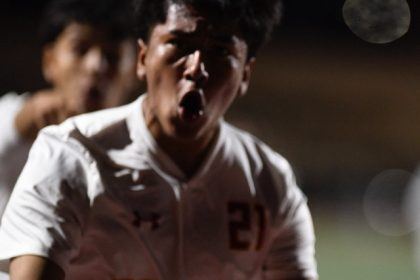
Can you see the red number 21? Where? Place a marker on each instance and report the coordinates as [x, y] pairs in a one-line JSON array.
[[243, 222]]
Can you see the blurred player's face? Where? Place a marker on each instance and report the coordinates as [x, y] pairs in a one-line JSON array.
[[195, 67], [90, 70]]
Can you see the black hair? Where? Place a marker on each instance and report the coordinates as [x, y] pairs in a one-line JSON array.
[[256, 18], [113, 16]]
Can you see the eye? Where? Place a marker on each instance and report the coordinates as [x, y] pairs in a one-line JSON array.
[[177, 43], [80, 48], [112, 57], [181, 46], [221, 50], [111, 53]]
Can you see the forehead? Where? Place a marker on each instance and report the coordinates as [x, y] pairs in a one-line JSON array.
[[76, 31], [185, 19]]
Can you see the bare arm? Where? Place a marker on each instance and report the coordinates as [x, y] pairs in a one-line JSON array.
[[34, 268], [42, 109]]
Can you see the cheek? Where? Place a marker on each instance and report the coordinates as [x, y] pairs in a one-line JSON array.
[[225, 79], [167, 64], [223, 88], [163, 78], [67, 59], [66, 68]]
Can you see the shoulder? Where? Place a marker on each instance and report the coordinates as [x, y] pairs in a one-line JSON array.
[[12, 101], [98, 128], [255, 150], [90, 123], [10, 140], [270, 172], [14, 97]]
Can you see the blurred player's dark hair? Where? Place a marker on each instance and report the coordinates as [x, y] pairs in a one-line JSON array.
[[115, 17], [256, 18]]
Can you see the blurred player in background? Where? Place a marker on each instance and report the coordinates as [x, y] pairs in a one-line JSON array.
[[164, 188], [88, 57]]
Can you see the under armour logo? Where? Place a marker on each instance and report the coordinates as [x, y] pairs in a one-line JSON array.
[[150, 220]]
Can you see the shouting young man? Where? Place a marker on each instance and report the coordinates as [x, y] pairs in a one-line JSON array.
[[164, 188]]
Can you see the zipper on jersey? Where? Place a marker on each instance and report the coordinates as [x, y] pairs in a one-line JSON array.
[[181, 254]]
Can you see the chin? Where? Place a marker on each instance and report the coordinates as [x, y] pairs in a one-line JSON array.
[[93, 106], [186, 136], [191, 134]]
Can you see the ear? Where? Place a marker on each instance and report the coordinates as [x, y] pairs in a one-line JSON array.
[[141, 60], [48, 63], [246, 76]]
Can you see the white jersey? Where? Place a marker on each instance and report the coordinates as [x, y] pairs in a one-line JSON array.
[[102, 200], [13, 148]]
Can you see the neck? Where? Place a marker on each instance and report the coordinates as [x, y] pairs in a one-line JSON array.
[[188, 155]]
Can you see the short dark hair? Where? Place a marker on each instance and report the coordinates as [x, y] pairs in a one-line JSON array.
[[256, 18], [113, 16]]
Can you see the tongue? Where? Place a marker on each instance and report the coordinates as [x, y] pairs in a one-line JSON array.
[[191, 106]]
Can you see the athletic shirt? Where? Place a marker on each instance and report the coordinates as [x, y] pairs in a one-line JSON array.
[[13, 148], [103, 201]]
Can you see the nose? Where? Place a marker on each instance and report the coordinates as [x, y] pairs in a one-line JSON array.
[[196, 70], [96, 62]]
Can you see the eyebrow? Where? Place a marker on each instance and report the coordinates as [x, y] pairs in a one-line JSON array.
[[224, 38], [181, 33]]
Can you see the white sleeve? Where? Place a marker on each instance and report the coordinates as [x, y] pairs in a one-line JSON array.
[[13, 149], [10, 105], [46, 211], [292, 254]]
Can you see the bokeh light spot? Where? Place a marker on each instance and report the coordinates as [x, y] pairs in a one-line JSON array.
[[377, 21], [384, 203]]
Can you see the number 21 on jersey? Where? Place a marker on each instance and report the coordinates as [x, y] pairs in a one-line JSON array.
[[247, 226]]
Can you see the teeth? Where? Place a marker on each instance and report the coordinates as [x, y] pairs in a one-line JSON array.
[[191, 106]]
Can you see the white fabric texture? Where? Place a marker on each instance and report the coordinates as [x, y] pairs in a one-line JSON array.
[[4, 276], [102, 200], [13, 149]]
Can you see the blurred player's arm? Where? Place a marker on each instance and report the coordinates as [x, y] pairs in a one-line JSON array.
[[42, 109], [34, 268]]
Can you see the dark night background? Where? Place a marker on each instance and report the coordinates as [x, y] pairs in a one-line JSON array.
[[341, 110]]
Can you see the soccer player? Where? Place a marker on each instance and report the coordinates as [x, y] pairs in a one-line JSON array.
[[164, 188], [88, 58]]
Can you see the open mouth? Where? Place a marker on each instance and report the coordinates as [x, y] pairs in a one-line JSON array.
[[94, 93], [191, 106], [94, 98]]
